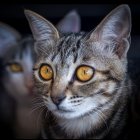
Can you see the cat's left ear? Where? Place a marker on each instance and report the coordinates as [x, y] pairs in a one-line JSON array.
[[70, 23], [9, 37], [41, 28], [115, 28]]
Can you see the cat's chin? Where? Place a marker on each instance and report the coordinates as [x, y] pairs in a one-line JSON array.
[[66, 114]]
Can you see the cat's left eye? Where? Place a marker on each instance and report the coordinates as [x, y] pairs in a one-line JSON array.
[[15, 67], [84, 73]]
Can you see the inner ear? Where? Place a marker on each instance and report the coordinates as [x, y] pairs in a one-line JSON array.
[[41, 28], [9, 37], [115, 29], [122, 48]]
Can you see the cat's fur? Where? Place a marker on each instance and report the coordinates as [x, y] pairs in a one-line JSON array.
[[94, 109], [14, 48]]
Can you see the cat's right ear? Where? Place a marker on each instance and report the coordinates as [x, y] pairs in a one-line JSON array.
[[8, 38], [41, 28], [115, 29]]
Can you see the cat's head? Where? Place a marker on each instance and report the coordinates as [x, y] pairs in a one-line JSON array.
[[77, 74], [10, 48], [17, 64]]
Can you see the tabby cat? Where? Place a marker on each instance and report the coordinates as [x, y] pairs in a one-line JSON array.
[[18, 58], [82, 77]]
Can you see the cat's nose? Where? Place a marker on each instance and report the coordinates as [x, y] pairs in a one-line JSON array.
[[58, 99]]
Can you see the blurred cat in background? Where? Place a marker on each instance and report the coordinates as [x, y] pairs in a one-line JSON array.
[[17, 59], [8, 37]]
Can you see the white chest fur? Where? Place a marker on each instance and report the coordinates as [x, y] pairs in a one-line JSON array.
[[80, 126]]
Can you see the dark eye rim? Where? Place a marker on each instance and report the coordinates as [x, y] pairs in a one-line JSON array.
[[39, 72], [84, 66]]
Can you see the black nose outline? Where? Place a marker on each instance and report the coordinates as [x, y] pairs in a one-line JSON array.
[[58, 99]]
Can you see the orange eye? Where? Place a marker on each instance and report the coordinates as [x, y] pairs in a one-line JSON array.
[[84, 73], [46, 72], [15, 67]]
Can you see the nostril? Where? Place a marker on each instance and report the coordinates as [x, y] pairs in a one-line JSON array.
[[58, 100]]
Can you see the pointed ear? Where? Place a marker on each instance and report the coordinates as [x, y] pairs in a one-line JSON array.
[[70, 23], [8, 38], [115, 28], [40, 27]]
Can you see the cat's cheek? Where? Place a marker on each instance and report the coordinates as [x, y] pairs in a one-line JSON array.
[[15, 85], [87, 106]]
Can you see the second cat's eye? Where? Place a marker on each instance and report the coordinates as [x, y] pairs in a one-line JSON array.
[[46, 72], [84, 73], [15, 67]]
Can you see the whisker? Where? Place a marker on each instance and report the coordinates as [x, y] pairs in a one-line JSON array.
[[99, 114], [36, 99], [36, 105], [40, 116], [36, 108]]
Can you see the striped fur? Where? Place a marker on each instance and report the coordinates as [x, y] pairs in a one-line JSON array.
[[99, 107]]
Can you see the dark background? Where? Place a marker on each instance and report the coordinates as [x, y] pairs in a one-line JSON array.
[[91, 15]]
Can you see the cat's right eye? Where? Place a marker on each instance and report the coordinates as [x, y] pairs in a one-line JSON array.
[[84, 73], [46, 72], [15, 67]]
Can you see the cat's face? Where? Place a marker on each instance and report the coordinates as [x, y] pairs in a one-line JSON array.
[[19, 61], [78, 74]]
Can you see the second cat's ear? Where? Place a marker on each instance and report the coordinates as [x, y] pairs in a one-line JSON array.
[[70, 23], [115, 29], [41, 28], [8, 38]]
